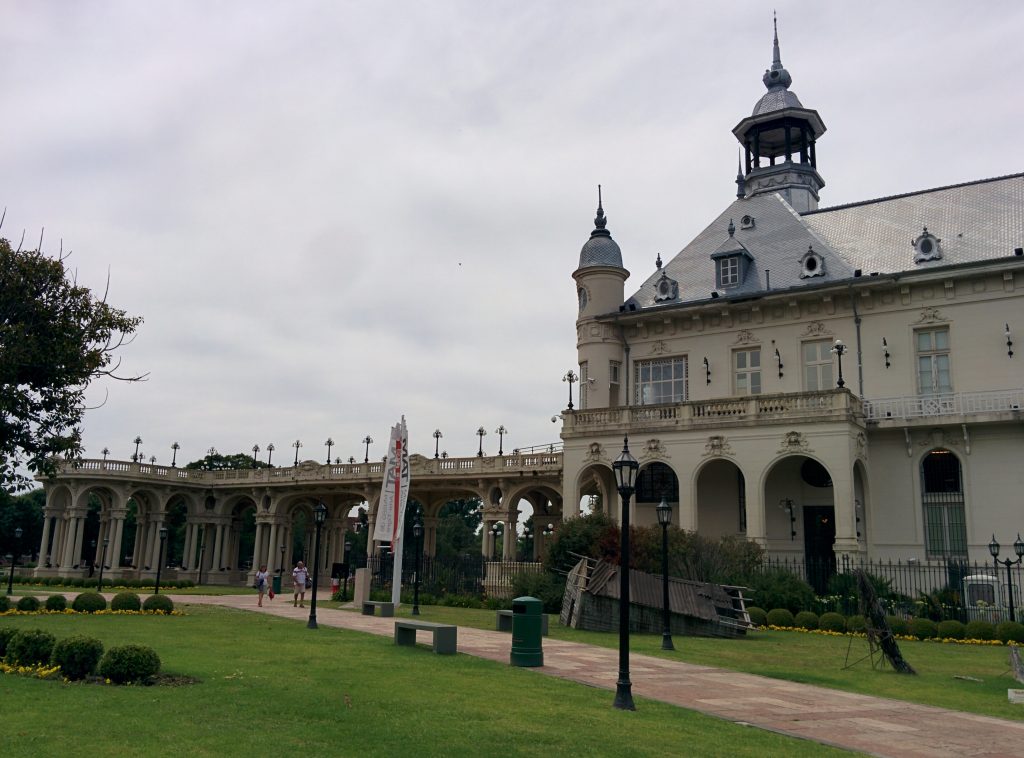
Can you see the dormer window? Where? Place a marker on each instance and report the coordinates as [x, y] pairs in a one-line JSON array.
[[811, 264], [665, 289], [926, 247], [729, 271], [747, 222]]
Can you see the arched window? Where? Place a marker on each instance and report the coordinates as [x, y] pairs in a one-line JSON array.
[[655, 481], [942, 495]]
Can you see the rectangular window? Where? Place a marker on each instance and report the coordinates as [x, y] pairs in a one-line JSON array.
[[741, 486], [584, 377], [945, 519], [614, 367], [933, 371], [661, 381], [746, 366], [817, 358], [728, 271]]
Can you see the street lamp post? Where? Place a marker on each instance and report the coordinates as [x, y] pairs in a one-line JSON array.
[[570, 377], [417, 532], [270, 452], [319, 517], [496, 530], [348, 550], [174, 458], [106, 452], [135, 455], [480, 433], [280, 569], [993, 547], [330, 444], [625, 467], [14, 560], [103, 559], [664, 511], [839, 348], [501, 431], [367, 440], [160, 558], [437, 440], [297, 444], [255, 451]]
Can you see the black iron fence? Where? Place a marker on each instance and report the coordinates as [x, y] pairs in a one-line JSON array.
[[470, 575]]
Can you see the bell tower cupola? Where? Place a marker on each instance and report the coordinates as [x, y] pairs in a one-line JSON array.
[[779, 139]]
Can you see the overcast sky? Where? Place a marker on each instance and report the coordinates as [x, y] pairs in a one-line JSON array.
[[333, 213]]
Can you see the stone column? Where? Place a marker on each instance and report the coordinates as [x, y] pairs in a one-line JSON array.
[[273, 553], [755, 512], [114, 553], [44, 542], [257, 545], [186, 556], [845, 512], [218, 542], [79, 536]]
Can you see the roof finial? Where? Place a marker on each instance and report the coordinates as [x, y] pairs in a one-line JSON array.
[[732, 228], [741, 185], [657, 261], [599, 220], [776, 76], [776, 57]]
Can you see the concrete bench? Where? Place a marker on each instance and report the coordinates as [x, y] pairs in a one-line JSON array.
[[370, 608], [445, 636], [503, 622]]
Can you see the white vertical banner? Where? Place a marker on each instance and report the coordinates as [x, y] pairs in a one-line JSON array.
[[394, 495]]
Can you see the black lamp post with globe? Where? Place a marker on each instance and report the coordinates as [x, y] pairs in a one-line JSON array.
[[1018, 548], [319, 517], [625, 467], [103, 559], [14, 560], [417, 532], [664, 511]]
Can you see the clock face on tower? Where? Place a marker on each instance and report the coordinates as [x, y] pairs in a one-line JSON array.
[[583, 298]]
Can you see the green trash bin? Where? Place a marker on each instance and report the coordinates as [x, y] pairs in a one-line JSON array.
[[527, 613], [276, 585]]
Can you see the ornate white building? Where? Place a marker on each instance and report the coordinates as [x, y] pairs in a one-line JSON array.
[[825, 381]]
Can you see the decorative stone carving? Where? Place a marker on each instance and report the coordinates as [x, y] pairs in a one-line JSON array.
[[717, 445], [794, 442], [653, 448], [937, 438], [860, 444], [658, 347], [930, 315], [596, 453], [815, 329], [745, 336]]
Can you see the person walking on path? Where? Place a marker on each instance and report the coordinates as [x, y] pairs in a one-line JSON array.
[[299, 577], [262, 577]]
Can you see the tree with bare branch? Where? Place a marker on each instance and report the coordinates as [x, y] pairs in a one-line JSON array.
[[56, 337]]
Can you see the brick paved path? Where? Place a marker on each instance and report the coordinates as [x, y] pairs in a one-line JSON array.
[[877, 726]]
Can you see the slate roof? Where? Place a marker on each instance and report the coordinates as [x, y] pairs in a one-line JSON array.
[[976, 221], [776, 100]]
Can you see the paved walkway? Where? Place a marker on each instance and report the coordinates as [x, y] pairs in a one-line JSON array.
[[877, 726]]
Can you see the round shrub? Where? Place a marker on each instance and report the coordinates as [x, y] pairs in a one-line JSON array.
[[6, 632], [806, 620], [77, 582], [832, 622], [758, 616], [126, 601], [56, 603], [158, 603], [130, 663], [89, 602], [923, 629], [950, 629], [780, 617], [856, 624], [77, 656], [781, 589], [980, 630], [1010, 631], [898, 625], [29, 647], [29, 604], [5, 603]]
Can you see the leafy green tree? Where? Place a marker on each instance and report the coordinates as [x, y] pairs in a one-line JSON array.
[[56, 336], [216, 462], [458, 528], [23, 511]]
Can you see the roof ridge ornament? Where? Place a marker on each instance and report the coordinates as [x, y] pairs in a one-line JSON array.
[[732, 228], [600, 221], [776, 77]]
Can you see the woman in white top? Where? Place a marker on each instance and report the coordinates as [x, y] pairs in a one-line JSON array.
[[299, 576], [262, 577]]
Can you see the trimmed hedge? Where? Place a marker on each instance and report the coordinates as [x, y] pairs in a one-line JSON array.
[[158, 603], [951, 629], [5, 603], [130, 663], [923, 629], [898, 625], [758, 616], [6, 632], [125, 601], [856, 624], [832, 622], [56, 603], [1010, 631], [780, 617], [29, 647], [89, 602], [29, 603], [77, 656], [806, 620], [980, 630]]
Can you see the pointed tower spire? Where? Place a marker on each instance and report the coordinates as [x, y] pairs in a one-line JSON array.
[[600, 221], [776, 77], [741, 184], [600, 249]]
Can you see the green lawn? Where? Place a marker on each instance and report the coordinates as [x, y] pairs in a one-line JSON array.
[[271, 686], [815, 659]]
